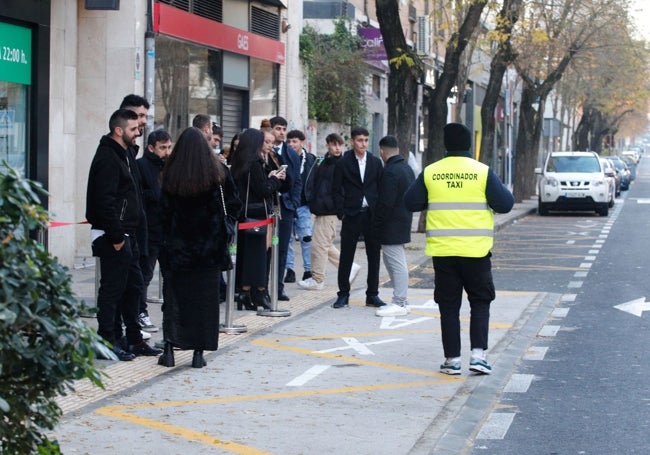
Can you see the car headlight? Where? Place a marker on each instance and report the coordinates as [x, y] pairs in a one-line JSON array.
[[550, 181], [596, 183]]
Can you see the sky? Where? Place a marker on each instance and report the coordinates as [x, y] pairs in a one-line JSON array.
[[640, 11]]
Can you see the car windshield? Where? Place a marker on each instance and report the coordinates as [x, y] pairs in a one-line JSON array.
[[573, 164]]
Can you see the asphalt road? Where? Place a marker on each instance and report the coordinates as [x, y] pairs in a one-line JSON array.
[[582, 388]]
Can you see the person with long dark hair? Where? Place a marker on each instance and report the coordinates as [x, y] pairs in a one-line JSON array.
[[197, 189], [257, 188]]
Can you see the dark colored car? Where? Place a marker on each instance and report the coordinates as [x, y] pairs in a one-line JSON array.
[[624, 170]]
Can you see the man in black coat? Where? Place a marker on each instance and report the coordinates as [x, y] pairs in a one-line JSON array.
[[356, 191], [159, 146], [392, 223], [114, 210]]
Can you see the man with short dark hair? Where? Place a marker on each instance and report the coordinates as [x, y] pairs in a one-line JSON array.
[[392, 223], [114, 210], [159, 146], [356, 190]]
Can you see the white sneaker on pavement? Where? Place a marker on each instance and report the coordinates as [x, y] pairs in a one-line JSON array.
[[145, 335], [354, 271], [311, 285], [392, 309]]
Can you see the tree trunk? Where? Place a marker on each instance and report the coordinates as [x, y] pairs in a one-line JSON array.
[[437, 106], [508, 16], [405, 73], [530, 130]]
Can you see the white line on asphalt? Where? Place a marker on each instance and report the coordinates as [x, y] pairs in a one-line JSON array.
[[536, 353], [361, 348], [548, 331], [519, 383], [590, 258], [570, 242], [560, 312], [602, 237], [497, 425], [599, 241], [308, 375], [575, 284], [568, 297], [585, 265], [580, 274], [392, 322], [594, 251]]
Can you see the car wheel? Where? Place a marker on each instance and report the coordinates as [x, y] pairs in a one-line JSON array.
[[542, 209], [611, 203], [603, 210]]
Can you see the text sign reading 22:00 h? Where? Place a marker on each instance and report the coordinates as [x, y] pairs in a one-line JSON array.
[[15, 54]]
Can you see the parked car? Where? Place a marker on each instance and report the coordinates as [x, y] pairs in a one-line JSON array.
[[624, 170], [573, 181], [631, 164], [634, 154], [612, 178]]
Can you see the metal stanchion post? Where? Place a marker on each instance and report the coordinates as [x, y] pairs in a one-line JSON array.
[[273, 285], [227, 326], [160, 290]]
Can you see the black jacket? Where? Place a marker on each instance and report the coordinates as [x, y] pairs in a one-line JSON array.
[[391, 221], [320, 195], [150, 166], [113, 199], [307, 175], [349, 190], [260, 191]]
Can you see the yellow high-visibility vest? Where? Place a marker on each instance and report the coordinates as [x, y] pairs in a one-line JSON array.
[[459, 220]]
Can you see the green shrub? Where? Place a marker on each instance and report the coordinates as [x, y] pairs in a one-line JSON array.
[[44, 343]]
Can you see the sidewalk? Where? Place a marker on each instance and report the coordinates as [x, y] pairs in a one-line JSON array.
[[318, 319]]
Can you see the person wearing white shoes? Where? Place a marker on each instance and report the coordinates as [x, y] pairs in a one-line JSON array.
[[460, 195], [391, 223], [321, 204]]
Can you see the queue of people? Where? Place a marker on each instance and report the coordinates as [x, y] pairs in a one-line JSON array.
[[176, 207]]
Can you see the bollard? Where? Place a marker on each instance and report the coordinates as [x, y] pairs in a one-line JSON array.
[[273, 285], [227, 326]]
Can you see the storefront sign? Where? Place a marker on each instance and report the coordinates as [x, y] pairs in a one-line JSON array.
[[373, 43], [15, 54], [181, 24]]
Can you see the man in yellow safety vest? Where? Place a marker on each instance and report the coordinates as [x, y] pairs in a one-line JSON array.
[[460, 195]]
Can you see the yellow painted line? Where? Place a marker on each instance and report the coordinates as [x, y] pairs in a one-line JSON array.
[[194, 436]]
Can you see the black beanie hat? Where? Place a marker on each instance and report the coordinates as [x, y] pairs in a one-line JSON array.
[[458, 138]]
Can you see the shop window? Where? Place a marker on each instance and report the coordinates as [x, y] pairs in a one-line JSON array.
[[263, 94], [188, 82], [376, 86]]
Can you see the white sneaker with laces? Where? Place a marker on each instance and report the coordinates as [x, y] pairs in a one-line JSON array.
[[392, 309], [451, 366], [145, 335], [146, 324], [311, 285], [354, 271]]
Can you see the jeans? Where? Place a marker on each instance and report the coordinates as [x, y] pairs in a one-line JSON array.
[[303, 227], [395, 262], [322, 247], [452, 275], [120, 289]]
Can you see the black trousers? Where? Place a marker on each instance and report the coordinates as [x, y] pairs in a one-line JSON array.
[[285, 231], [120, 289], [148, 265], [351, 228], [452, 275]]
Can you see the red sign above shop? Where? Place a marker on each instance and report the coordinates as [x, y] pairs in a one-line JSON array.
[[181, 24]]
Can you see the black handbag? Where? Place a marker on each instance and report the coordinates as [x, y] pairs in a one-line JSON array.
[[258, 230]]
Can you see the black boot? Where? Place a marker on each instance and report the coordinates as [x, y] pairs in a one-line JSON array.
[[244, 301], [260, 299], [197, 360], [167, 357]]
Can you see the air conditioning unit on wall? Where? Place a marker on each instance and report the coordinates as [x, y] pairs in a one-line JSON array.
[[424, 35]]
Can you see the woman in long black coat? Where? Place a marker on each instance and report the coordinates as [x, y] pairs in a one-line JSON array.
[[195, 246], [257, 186]]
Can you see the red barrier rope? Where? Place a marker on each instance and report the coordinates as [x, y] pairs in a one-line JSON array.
[[254, 224], [54, 224]]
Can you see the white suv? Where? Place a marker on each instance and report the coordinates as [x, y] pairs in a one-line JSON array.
[[573, 181]]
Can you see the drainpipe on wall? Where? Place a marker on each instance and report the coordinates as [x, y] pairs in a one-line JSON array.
[[149, 68]]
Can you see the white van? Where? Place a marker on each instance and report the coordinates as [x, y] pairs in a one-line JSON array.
[[573, 181]]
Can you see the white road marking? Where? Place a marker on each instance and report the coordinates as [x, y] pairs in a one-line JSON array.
[[642, 201], [548, 331], [560, 312], [590, 258], [428, 304], [599, 241], [594, 251], [308, 375], [519, 383], [496, 426], [575, 284], [568, 297], [392, 322], [585, 265], [536, 353], [361, 348], [570, 242], [580, 274]]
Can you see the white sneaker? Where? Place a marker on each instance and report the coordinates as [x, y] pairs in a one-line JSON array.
[[392, 309], [311, 284], [354, 271], [145, 335]]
